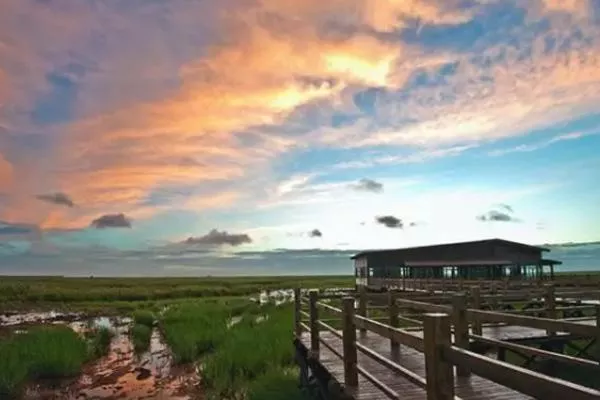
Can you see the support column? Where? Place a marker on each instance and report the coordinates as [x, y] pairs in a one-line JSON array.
[[439, 373], [314, 326]]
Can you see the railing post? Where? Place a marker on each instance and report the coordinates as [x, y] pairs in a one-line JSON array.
[[461, 327], [314, 326], [297, 315], [362, 306], [598, 316], [550, 305], [393, 310], [476, 294], [439, 373], [349, 343], [494, 298]]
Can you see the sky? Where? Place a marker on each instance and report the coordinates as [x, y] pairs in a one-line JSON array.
[[254, 136]]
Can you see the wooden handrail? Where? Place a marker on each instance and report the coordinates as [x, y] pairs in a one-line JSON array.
[[538, 352], [440, 354], [399, 335], [521, 379], [532, 322], [386, 362]]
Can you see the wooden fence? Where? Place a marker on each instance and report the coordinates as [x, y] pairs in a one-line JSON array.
[[438, 326]]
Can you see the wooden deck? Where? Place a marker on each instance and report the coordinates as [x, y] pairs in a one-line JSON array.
[[467, 365], [467, 388]]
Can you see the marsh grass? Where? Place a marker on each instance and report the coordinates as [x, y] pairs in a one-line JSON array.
[[192, 330], [143, 317], [46, 352], [249, 351], [140, 336], [99, 341], [276, 384]]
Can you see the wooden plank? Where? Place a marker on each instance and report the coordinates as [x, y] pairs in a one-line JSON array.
[[538, 352], [521, 379], [388, 332], [533, 322], [349, 342]]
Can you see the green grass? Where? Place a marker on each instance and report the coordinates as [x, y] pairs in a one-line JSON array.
[[144, 317], [62, 291], [276, 385], [99, 341], [140, 336], [192, 330], [245, 355], [46, 352]]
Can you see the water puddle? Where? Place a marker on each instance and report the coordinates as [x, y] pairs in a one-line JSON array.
[[121, 373]]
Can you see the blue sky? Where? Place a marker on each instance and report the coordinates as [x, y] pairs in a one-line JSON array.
[[142, 130]]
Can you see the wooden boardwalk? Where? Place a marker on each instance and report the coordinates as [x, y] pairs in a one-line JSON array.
[[441, 357], [467, 388]]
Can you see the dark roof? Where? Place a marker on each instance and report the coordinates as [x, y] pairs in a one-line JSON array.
[[438, 246]]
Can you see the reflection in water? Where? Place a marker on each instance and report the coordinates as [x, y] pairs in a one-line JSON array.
[[119, 374]]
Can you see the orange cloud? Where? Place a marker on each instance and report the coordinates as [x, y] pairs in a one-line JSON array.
[[6, 174]]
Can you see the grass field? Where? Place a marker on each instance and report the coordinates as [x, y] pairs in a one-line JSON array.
[[209, 322], [128, 294]]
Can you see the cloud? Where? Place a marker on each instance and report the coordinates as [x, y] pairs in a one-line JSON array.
[[13, 230], [315, 233], [368, 185], [57, 198], [389, 221], [506, 207], [497, 216], [111, 221], [218, 238], [543, 144]]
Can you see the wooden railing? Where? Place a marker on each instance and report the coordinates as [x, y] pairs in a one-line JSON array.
[[441, 353], [582, 281]]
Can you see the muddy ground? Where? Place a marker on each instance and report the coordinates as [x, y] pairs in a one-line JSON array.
[[121, 374]]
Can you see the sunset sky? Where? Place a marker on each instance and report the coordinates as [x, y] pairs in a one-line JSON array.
[[168, 137]]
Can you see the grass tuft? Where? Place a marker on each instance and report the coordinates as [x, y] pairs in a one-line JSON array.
[[192, 330], [99, 341], [140, 336], [275, 385], [245, 355], [143, 317], [47, 352]]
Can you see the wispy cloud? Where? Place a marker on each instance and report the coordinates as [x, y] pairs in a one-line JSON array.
[[57, 198], [368, 185], [543, 144], [218, 238]]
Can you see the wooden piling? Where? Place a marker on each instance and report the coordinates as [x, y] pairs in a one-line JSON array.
[[362, 306], [550, 305], [297, 315], [349, 343], [314, 326], [461, 327], [393, 310], [476, 295], [439, 373]]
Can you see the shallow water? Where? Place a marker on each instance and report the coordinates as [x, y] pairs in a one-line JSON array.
[[119, 374]]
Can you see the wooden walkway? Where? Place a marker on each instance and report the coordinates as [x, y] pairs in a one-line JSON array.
[[467, 388], [440, 355]]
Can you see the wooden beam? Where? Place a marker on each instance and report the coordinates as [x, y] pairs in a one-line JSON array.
[[393, 313], [523, 380], [532, 322], [314, 326], [439, 372], [461, 327], [297, 310], [349, 343], [476, 295]]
